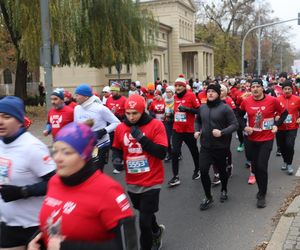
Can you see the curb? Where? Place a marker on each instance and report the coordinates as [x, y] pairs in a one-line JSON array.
[[282, 229]]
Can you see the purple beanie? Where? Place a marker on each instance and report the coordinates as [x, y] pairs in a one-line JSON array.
[[80, 137]]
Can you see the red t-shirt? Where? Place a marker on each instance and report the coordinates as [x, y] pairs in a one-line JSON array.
[[202, 97], [292, 105], [230, 102], [142, 168], [158, 108], [278, 90], [58, 118], [85, 212], [116, 106], [184, 121], [233, 92], [72, 105], [261, 116]]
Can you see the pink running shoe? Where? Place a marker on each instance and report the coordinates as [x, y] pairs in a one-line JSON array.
[[251, 180]]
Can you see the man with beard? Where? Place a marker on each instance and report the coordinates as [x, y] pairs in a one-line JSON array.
[[58, 116], [261, 110]]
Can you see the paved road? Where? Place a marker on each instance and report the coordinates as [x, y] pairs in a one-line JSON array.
[[234, 225]]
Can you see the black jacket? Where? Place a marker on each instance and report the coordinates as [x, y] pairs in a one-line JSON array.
[[219, 116]]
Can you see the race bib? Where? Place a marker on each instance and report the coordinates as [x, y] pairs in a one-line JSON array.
[[137, 164], [268, 124], [180, 117], [5, 171], [288, 119], [160, 116]]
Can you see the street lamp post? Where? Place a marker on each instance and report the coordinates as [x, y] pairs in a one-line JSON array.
[[257, 27], [46, 50]]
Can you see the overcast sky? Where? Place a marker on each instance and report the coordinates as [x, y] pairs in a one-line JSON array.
[[288, 9]]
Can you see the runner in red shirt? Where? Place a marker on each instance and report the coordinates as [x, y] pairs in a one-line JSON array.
[[186, 106], [287, 132], [83, 207], [68, 99], [157, 107], [116, 102], [261, 110], [141, 143], [60, 115]]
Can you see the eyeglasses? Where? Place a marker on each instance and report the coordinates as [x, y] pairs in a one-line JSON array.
[[169, 92]]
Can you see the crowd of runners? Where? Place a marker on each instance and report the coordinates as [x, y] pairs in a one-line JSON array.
[[47, 197]]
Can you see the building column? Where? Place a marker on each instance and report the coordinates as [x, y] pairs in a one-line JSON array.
[[200, 65], [212, 65]]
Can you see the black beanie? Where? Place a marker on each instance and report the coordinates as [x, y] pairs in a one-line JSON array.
[[287, 83], [258, 81], [215, 87]]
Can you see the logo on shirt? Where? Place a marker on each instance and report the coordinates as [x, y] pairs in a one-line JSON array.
[[55, 121], [134, 147]]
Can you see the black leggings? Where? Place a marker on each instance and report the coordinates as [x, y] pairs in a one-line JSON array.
[[260, 154], [286, 142], [218, 158], [147, 204], [191, 142]]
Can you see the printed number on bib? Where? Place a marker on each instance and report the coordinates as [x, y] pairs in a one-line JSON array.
[[137, 164], [5, 170], [180, 117], [288, 119], [268, 124], [160, 117]]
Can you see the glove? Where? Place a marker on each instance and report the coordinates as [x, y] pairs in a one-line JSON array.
[[136, 133], [118, 164], [183, 109], [11, 193], [101, 133]]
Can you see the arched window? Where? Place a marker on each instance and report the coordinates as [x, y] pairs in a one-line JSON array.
[[7, 76]]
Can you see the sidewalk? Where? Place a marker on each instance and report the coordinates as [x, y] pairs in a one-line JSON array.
[[287, 233]]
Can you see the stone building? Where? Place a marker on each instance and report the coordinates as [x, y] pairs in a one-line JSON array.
[[176, 52]]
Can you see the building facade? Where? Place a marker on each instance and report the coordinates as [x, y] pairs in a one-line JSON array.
[[176, 52]]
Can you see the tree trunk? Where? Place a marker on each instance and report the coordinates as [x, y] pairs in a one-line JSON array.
[[21, 79]]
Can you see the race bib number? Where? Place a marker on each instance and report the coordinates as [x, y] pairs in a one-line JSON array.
[[288, 119], [5, 171], [160, 116], [268, 124], [180, 117], [137, 164]]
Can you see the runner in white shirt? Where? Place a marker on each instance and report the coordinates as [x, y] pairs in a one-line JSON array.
[[25, 168]]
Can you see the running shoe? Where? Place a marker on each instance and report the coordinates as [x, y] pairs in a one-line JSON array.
[[216, 179], [223, 196], [290, 170], [174, 182], [248, 164], [196, 175], [168, 158], [240, 148], [261, 201], [206, 203], [115, 171], [284, 167], [251, 180], [157, 238]]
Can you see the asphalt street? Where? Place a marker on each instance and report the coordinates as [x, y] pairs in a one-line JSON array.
[[233, 225]]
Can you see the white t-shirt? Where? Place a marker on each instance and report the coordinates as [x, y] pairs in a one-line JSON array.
[[23, 162]]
